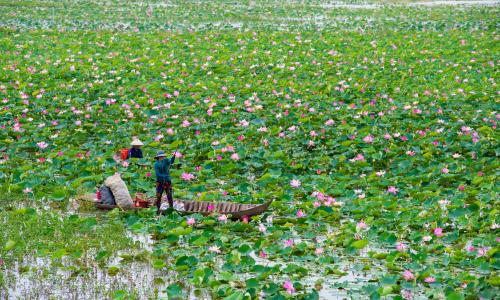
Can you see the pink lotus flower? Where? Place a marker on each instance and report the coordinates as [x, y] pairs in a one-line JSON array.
[[316, 204], [288, 243], [445, 170], [187, 176], [393, 190], [300, 214], [475, 137], [361, 225], [408, 275], [125, 164], [438, 231], [329, 122], [27, 190], [319, 251], [244, 219], [461, 188], [359, 157], [191, 221], [289, 287], [401, 247], [368, 139], [330, 201], [295, 183], [214, 249], [262, 254], [262, 228], [470, 248], [235, 156], [222, 218], [320, 196], [210, 207], [482, 251], [430, 279], [406, 294], [17, 127], [185, 123], [42, 145]]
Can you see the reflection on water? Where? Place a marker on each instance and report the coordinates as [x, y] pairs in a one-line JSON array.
[[43, 278], [131, 271]]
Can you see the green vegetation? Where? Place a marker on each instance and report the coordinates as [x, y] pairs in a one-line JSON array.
[[374, 128]]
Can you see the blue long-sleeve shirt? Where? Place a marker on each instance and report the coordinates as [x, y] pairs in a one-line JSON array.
[[134, 153], [162, 169]]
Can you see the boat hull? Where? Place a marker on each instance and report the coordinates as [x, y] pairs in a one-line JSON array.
[[235, 210]]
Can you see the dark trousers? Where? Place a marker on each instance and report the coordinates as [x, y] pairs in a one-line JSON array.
[[167, 188]]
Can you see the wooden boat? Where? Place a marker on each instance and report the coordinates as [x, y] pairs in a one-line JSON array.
[[235, 210]]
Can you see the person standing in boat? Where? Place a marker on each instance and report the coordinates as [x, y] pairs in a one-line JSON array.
[[163, 182], [135, 151]]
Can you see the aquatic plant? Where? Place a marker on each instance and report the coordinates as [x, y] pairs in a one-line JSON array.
[[373, 126]]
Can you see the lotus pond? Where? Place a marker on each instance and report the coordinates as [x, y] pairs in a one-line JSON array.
[[372, 125]]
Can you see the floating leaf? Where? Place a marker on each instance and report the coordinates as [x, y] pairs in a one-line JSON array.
[[9, 245], [174, 291], [360, 244]]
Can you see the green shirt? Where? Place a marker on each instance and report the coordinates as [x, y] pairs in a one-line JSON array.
[[162, 169]]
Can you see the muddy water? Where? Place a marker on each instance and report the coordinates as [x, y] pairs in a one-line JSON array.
[[402, 3], [468, 2], [45, 278], [35, 277]]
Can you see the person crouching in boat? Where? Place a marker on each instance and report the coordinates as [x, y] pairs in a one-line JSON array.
[[135, 151], [163, 181]]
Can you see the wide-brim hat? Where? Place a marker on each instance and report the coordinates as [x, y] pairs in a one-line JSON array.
[[136, 142], [160, 154]]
